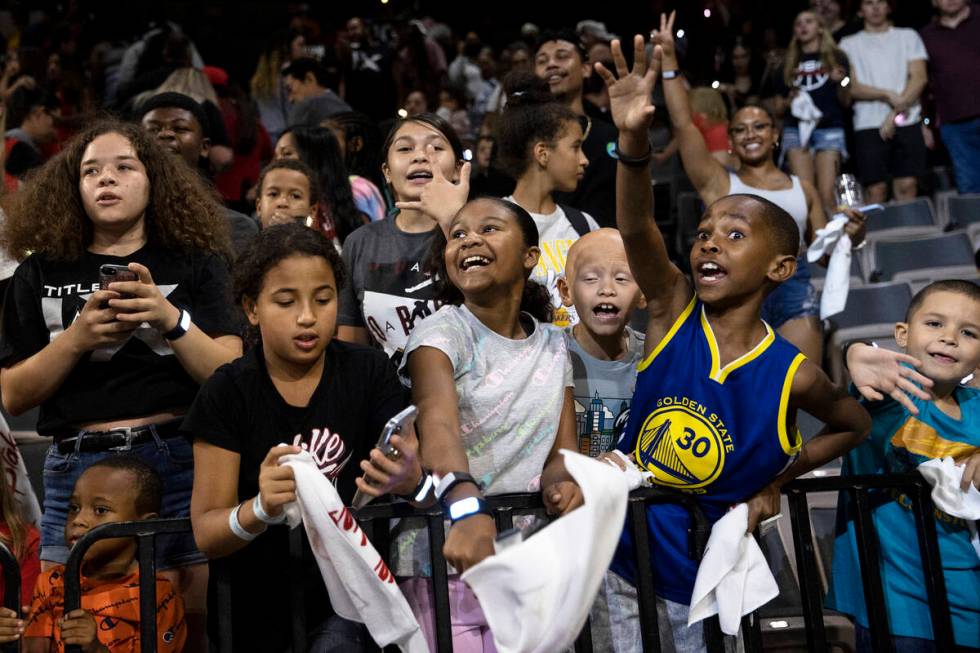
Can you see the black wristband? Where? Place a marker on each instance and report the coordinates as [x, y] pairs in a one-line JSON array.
[[449, 481], [634, 162], [460, 510], [848, 345], [425, 478]]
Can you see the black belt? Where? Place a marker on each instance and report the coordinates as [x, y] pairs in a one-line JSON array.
[[120, 439]]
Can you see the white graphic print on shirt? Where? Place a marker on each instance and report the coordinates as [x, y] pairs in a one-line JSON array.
[[62, 305], [327, 449]]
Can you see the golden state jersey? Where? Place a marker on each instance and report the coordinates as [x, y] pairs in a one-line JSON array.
[[719, 432]]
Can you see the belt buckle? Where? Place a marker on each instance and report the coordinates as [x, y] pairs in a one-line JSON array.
[[126, 431]]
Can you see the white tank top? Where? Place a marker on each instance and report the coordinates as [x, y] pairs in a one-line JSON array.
[[792, 200]]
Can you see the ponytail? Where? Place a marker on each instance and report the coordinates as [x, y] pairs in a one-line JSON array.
[[536, 300]]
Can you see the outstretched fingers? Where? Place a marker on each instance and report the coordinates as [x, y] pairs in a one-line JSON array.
[[640, 63]]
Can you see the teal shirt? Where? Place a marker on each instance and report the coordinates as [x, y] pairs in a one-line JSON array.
[[898, 443]]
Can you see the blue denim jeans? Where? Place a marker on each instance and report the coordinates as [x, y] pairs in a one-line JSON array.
[[339, 635], [962, 141], [793, 298], [173, 460]]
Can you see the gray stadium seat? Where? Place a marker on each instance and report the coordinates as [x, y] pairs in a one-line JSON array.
[[818, 273], [690, 208], [871, 313], [908, 218], [920, 258], [960, 210]]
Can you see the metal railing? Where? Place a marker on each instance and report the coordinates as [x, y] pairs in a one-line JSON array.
[[11, 589], [861, 491], [145, 533]]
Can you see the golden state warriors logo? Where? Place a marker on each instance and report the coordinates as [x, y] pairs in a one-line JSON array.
[[682, 444]]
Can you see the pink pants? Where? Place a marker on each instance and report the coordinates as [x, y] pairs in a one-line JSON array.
[[471, 634]]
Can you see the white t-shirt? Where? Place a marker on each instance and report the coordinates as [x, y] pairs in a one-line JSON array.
[[555, 236], [881, 59]]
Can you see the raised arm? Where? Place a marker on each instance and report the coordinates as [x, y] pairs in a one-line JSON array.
[[434, 393], [664, 286], [708, 175]]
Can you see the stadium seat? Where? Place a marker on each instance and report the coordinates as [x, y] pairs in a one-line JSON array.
[[959, 211], [916, 258], [818, 273], [871, 312], [908, 218], [690, 208]]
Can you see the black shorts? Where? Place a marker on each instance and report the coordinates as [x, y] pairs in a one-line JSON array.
[[878, 160]]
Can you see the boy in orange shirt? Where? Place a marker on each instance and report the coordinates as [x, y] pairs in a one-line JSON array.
[[112, 490]]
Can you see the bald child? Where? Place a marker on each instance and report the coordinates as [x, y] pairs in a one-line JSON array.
[[604, 349]]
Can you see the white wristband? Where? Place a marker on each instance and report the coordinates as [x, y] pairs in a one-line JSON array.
[[237, 528], [263, 515]]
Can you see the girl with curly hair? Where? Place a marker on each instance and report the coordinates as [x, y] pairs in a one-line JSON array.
[[115, 365]]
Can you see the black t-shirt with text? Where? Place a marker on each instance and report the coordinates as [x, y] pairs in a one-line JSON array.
[[240, 410], [139, 377]]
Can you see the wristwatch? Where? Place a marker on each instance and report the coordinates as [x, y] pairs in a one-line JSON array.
[[468, 507], [183, 324], [449, 481]]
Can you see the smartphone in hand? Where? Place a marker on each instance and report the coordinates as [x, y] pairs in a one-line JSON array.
[[394, 426], [109, 273]]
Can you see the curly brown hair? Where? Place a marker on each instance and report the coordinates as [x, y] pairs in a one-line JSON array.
[[47, 216]]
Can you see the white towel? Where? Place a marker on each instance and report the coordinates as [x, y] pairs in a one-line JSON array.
[[807, 114], [537, 594], [838, 282], [734, 578], [945, 477], [635, 477], [360, 586]]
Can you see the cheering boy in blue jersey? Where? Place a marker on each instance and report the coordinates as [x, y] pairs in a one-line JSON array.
[[714, 412], [937, 418]]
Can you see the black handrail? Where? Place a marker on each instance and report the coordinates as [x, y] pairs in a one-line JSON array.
[[145, 533], [11, 589], [860, 491], [505, 505]]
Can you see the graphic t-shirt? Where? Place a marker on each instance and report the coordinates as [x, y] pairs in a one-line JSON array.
[[142, 375], [511, 393], [115, 606], [603, 393], [389, 290], [555, 237], [897, 444], [240, 410], [812, 77]]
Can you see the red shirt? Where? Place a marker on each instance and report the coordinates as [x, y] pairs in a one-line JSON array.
[[953, 71], [30, 564]]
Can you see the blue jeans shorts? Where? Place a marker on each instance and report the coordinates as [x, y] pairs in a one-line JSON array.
[[792, 299], [173, 460], [825, 139]]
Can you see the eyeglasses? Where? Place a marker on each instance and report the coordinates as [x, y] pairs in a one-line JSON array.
[[741, 130]]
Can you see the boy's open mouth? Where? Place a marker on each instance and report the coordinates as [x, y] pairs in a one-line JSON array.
[[606, 311], [710, 272]]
